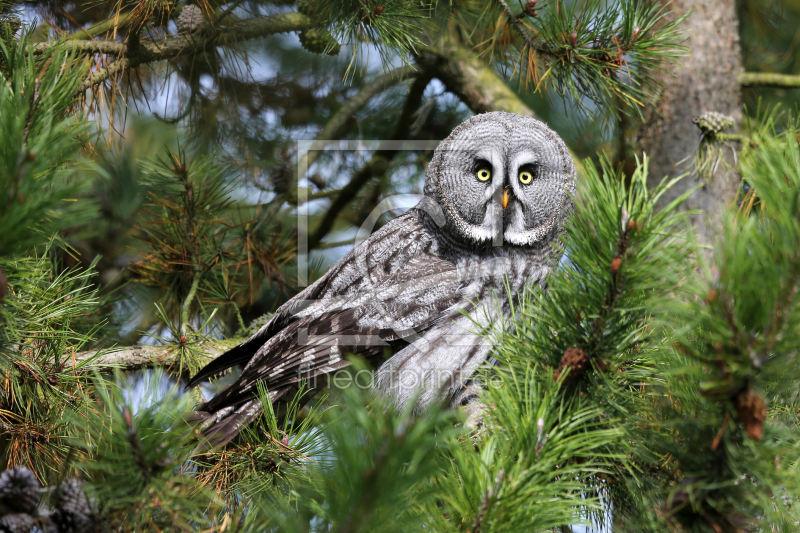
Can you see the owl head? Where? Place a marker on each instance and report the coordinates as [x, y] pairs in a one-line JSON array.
[[501, 179]]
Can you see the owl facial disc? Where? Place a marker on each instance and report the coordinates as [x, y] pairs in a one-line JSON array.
[[502, 179]]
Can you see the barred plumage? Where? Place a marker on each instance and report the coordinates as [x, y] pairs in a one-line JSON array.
[[496, 196]]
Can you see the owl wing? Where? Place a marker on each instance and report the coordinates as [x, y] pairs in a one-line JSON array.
[[400, 307], [372, 262], [390, 287]]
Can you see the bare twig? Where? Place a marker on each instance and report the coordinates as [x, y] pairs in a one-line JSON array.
[[228, 10]]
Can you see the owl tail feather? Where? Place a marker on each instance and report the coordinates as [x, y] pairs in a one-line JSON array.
[[215, 430], [238, 355]]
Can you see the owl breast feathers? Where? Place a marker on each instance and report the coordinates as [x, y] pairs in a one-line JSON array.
[[411, 298]]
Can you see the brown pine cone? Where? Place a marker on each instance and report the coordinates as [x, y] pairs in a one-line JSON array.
[[190, 20], [17, 523], [19, 490], [71, 497], [575, 359], [752, 412]]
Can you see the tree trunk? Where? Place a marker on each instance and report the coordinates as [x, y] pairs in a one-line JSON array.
[[706, 79]]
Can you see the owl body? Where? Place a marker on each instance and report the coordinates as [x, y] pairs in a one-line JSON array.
[[413, 297]]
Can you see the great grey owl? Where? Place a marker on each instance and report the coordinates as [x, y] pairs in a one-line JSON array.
[[496, 196]]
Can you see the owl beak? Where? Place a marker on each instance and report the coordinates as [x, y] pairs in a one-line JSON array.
[[506, 197]]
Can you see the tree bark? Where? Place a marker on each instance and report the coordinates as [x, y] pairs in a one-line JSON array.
[[706, 79]]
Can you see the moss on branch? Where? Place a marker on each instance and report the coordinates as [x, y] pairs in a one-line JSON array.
[[144, 356], [769, 79]]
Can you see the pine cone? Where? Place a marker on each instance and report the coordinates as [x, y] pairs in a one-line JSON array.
[[73, 512], [752, 412], [191, 19], [71, 497], [530, 8], [317, 40], [712, 123], [17, 523], [575, 359], [19, 489]]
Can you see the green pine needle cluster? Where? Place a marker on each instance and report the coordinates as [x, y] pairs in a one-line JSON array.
[[587, 51], [728, 423], [46, 317], [203, 252], [41, 143], [132, 450]]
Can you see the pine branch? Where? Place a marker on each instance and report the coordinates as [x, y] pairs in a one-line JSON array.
[[97, 29], [171, 47], [110, 71], [769, 79], [140, 357], [472, 81], [519, 28]]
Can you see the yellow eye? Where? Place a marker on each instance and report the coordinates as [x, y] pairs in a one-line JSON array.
[[525, 177], [484, 174]]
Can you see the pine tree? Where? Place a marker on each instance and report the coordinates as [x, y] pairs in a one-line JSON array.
[[649, 388]]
